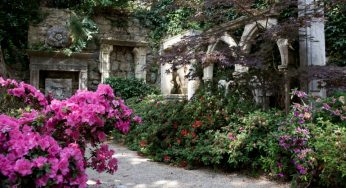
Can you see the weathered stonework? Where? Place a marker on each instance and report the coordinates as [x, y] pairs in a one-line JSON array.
[[119, 51], [38, 33], [58, 36], [122, 62]]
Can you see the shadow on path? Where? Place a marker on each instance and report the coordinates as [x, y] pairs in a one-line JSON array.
[[138, 172]]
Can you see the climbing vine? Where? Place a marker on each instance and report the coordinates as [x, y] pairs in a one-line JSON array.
[[335, 31]]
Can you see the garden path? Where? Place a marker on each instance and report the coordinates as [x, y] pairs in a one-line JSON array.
[[139, 172]]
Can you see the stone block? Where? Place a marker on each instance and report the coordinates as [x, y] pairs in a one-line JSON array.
[[125, 66], [60, 88], [115, 65]]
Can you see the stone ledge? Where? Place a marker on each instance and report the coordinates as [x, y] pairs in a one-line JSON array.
[[175, 97], [128, 43], [35, 53]]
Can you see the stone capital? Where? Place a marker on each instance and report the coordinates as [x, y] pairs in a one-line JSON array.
[[140, 51], [106, 48]]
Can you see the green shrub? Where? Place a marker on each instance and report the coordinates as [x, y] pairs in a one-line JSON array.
[[183, 132], [130, 87], [233, 134], [330, 146]]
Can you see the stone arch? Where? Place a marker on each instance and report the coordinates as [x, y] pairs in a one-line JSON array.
[[251, 29], [227, 39]]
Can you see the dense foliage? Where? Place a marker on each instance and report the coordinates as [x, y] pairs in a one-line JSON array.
[[14, 24], [335, 34], [231, 133], [45, 143], [130, 87]]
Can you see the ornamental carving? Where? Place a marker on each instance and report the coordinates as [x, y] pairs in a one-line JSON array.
[[58, 37]]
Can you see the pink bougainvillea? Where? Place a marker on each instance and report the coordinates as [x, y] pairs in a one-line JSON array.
[[46, 146]]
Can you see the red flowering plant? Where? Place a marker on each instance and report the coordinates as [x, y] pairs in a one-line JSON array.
[[46, 146]]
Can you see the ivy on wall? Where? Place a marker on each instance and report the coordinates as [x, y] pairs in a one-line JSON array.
[[335, 32]]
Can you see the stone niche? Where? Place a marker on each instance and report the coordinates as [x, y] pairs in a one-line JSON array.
[[54, 72], [123, 59], [174, 81], [122, 62]]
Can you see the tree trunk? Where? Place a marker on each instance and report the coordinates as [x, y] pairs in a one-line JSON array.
[[3, 72]]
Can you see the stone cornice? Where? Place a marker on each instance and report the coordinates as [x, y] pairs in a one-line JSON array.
[[128, 43], [35, 53]]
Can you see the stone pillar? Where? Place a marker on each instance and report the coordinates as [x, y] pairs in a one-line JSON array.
[[140, 55], [208, 72], [312, 41], [34, 77], [166, 78], [104, 66], [193, 83], [83, 80]]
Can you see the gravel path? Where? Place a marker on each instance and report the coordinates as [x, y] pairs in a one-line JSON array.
[[139, 172]]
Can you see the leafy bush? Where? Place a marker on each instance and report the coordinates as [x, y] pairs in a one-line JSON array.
[[307, 145], [183, 132], [46, 145], [130, 87], [310, 143]]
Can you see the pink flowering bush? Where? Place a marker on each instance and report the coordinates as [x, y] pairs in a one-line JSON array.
[[46, 146]]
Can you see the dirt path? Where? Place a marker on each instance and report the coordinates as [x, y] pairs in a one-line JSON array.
[[138, 172]]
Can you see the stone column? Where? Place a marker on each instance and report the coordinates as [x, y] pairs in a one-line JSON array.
[[140, 55], [312, 41], [83, 80], [193, 83], [34, 77], [208, 72], [104, 66], [166, 84]]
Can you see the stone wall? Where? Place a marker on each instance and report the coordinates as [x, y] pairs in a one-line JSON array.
[[37, 33], [127, 29]]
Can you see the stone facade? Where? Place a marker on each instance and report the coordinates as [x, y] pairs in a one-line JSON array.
[[118, 50]]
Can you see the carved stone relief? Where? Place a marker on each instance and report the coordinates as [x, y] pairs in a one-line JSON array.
[[58, 37], [59, 88]]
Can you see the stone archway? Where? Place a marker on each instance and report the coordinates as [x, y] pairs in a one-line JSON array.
[[282, 44], [227, 39]]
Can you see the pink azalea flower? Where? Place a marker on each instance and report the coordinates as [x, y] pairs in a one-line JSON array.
[[23, 167]]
